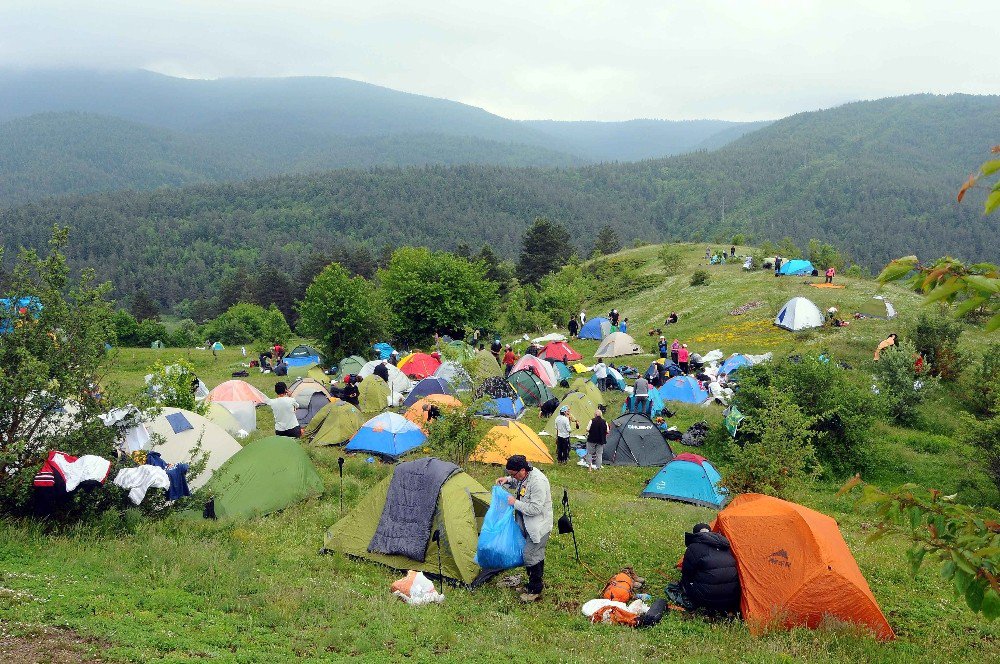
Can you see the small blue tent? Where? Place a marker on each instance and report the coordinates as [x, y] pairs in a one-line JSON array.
[[428, 386], [389, 435], [563, 372], [615, 380], [595, 328], [654, 405], [796, 267], [503, 407], [684, 389], [689, 478], [218, 346], [383, 350], [733, 364], [302, 355]]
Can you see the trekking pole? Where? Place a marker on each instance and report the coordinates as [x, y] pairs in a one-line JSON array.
[[436, 537], [340, 462], [569, 515]]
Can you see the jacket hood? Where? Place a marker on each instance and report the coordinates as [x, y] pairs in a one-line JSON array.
[[716, 540]]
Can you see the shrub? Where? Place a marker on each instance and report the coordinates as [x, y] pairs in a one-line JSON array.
[[981, 382], [173, 386], [244, 323], [739, 239], [901, 386], [700, 278], [855, 271], [935, 335], [131, 333], [670, 256], [778, 456], [455, 434], [613, 279]]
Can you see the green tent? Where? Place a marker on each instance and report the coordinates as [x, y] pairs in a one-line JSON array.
[[586, 387], [350, 365], [373, 395], [461, 506], [311, 370], [530, 388], [458, 350], [265, 476], [334, 424], [484, 365], [580, 407]]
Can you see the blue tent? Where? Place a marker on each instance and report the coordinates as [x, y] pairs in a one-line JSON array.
[[218, 346], [689, 478], [615, 379], [302, 355], [383, 349], [684, 389], [8, 307], [503, 407], [563, 372], [734, 362], [654, 405], [798, 267], [387, 434], [427, 386], [595, 328]]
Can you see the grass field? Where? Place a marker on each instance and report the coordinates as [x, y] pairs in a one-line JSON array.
[[178, 589]]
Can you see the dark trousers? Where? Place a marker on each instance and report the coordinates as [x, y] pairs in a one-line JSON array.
[[684, 367], [602, 384], [290, 433], [535, 573], [829, 280], [506, 369], [673, 356], [562, 450]]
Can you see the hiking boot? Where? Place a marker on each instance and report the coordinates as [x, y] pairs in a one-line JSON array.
[[527, 598]]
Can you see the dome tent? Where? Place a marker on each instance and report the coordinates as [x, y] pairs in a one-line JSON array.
[[484, 365], [184, 432], [617, 344], [588, 388], [796, 267], [799, 313], [334, 424], [350, 365], [303, 354], [580, 407], [416, 414], [688, 478], [559, 351], [373, 395], [595, 328], [426, 387], [734, 363], [508, 407], [389, 435], [455, 375], [399, 384], [418, 365], [540, 368], [635, 441], [615, 379], [507, 439], [495, 387], [529, 387], [236, 390], [685, 389], [302, 390]]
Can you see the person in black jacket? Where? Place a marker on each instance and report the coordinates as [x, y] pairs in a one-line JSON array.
[[382, 371], [709, 579], [574, 327]]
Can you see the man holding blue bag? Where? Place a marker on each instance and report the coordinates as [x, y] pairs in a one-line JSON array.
[[532, 503]]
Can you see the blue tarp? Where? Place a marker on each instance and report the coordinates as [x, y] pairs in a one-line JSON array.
[[383, 349], [798, 267], [387, 434], [684, 389], [595, 328], [688, 478]]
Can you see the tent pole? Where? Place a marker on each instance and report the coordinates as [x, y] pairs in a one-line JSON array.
[[565, 502], [437, 538], [340, 462]]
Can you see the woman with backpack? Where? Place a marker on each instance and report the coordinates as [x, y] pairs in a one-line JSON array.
[[597, 436]]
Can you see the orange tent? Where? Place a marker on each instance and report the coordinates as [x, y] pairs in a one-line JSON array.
[[416, 414], [236, 390], [510, 438], [795, 568]]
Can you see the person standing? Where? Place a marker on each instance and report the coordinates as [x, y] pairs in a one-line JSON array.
[[777, 265], [509, 360], [597, 436], [830, 272], [563, 420], [574, 327], [532, 502], [601, 375], [732, 251], [683, 356], [641, 393], [382, 371], [661, 346], [283, 407], [675, 350], [583, 319], [624, 325], [495, 348], [613, 317]]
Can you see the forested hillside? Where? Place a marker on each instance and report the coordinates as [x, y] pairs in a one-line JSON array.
[[876, 179]]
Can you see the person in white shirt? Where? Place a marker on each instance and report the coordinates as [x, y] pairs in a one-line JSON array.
[[583, 318], [563, 420], [601, 374], [285, 421]]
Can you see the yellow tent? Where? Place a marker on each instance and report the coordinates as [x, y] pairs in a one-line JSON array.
[[508, 439]]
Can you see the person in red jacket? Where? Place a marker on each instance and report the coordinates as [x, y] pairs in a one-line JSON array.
[[509, 360], [829, 274], [683, 355]]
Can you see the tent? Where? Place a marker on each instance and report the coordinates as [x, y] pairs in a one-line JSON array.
[[302, 390], [559, 351], [580, 406], [398, 382], [509, 407], [562, 372], [317, 402], [508, 439], [529, 387], [427, 387], [495, 387], [616, 381], [653, 407], [635, 441], [617, 344], [457, 377], [9, 309], [218, 346], [265, 476], [157, 344], [688, 478], [540, 368], [878, 307], [244, 412], [183, 432], [588, 388], [303, 354], [796, 267], [734, 363], [311, 370], [389, 435], [350, 365], [595, 328], [485, 365], [685, 389], [236, 390], [462, 503], [795, 567], [458, 350], [419, 365], [374, 395], [415, 413], [220, 415], [799, 313], [383, 350], [334, 424]]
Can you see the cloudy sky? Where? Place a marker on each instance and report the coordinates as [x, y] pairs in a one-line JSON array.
[[558, 59]]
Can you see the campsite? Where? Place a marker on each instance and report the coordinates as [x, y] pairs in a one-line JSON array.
[[251, 587]]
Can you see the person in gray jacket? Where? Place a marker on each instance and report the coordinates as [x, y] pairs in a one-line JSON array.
[[532, 501]]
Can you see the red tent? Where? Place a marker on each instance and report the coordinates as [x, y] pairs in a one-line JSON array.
[[419, 365], [559, 351]]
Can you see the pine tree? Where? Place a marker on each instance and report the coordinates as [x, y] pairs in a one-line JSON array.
[[143, 307], [607, 241], [545, 248]]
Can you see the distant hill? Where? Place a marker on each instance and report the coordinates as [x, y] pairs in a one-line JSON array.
[[877, 179]]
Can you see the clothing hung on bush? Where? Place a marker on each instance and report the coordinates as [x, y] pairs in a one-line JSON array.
[[140, 479], [72, 471], [177, 474]]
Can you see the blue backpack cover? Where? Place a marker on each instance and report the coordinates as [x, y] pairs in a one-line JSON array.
[[501, 543]]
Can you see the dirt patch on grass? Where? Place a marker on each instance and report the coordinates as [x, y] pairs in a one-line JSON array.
[[50, 645]]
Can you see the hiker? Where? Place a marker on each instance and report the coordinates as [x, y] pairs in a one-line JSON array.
[[888, 341], [732, 251], [509, 360], [431, 412], [583, 318], [675, 349], [393, 360], [662, 347], [671, 319], [597, 436], [563, 420], [532, 501], [708, 253], [709, 579], [574, 327], [601, 375], [279, 352], [653, 374], [641, 392], [777, 265], [830, 271], [283, 407], [613, 317], [495, 348], [382, 371], [683, 356], [350, 393], [624, 326]]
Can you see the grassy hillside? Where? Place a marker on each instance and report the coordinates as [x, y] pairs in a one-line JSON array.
[[258, 591]]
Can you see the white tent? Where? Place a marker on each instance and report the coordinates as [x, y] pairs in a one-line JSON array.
[[799, 313], [618, 343], [219, 414], [399, 384], [890, 311], [182, 436]]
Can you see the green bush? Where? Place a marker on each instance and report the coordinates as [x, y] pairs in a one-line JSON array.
[[130, 333], [855, 271], [981, 382], [613, 279], [173, 386], [901, 387], [455, 434], [700, 278], [935, 335], [244, 323], [670, 256]]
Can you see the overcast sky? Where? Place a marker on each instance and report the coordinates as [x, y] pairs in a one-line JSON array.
[[537, 59]]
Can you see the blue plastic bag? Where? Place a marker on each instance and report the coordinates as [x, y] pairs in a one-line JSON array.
[[501, 543]]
